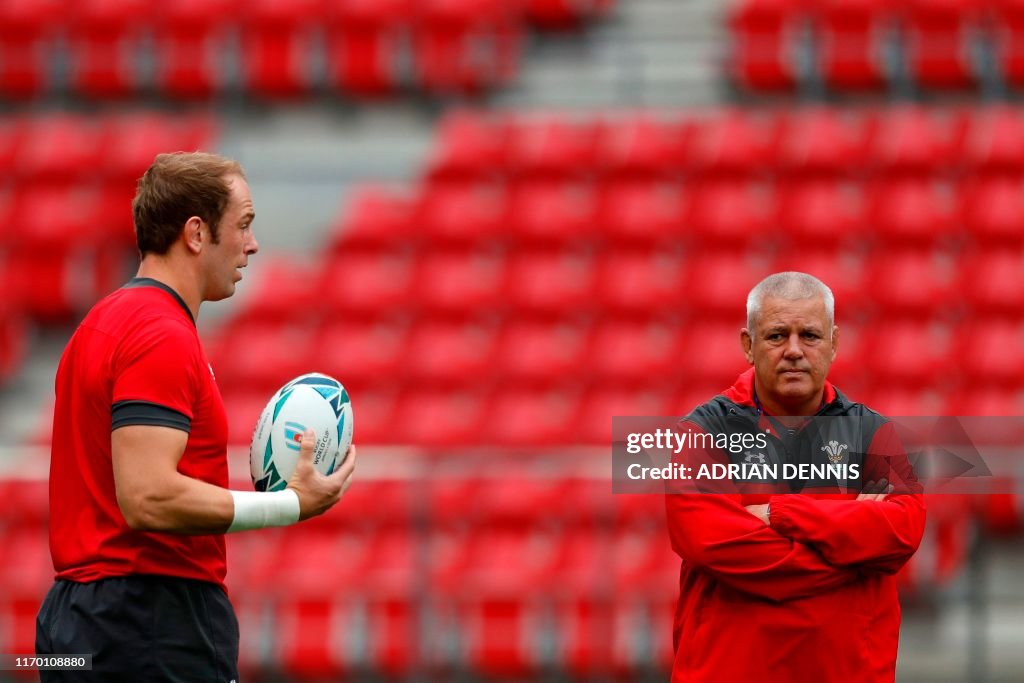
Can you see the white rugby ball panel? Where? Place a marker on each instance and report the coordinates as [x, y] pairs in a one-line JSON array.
[[313, 401]]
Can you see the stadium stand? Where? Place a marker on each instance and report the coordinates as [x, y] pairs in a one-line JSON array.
[[546, 272]]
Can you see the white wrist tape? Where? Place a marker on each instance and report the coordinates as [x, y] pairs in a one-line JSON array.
[[254, 510]]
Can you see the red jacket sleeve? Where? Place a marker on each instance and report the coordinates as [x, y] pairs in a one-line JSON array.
[[713, 532], [871, 535]]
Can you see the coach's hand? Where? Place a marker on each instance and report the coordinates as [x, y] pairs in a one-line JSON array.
[[317, 493]]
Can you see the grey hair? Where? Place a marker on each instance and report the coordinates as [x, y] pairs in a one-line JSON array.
[[789, 286]]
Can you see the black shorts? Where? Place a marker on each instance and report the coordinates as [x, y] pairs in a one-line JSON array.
[[149, 628]]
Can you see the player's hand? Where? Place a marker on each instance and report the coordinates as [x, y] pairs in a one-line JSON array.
[[317, 493], [876, 490], [759, 511]]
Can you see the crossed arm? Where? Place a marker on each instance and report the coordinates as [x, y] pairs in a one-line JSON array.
[[807, 546]]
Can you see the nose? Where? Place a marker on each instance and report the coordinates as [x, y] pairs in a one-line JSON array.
[[794, 350], [253, 245]]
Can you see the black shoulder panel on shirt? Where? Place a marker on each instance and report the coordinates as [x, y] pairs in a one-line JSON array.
[[132, 413]]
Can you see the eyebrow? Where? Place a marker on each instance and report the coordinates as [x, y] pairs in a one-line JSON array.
[[249, 217], [801, 328]]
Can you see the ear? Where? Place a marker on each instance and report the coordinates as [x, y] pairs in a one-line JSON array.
[[747, 342], [192, 234], [835, 340]]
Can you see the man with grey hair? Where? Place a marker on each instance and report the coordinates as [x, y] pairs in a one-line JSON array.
[[788, 563]]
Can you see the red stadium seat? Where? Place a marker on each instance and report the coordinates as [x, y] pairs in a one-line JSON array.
[[13, 134], [466, 46], [912, 139], [462, 214], [851, 37], [632, 353], [820, 141], [735, 142], [460, 283], [847, 371], [911, 355], [539, 353], [449, 354], [283, 289], [986, 355], [820, 212], [323, 656], [382, 509], [764, 34], [104, 37], [937, 44], [527, 419], [550, 282], [990, 281], [552, 148], [552, 214], [27, 30], [490, 583], [992, 210], [59, 148], [511, 500], [367, 41], [641, 213], [717, 286], [563, 14], [276, 37], [388, 583], [368, 284], [358, 353], [1007, 38], [895, 399], [911, 212], [469, 146], [593, 422], [642, 147], [130, 141], [261, 356], [584, 617], [994, 139], [377, 416], [640, 284], [711, 357], [730, 213], [13, 338], [243, 408], [29, 509], [641, 554], [375, 218], [61, 216], [439, 419], [189, 38], [910, 283]]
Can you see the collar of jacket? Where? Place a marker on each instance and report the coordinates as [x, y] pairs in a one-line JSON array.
[[741, 395]]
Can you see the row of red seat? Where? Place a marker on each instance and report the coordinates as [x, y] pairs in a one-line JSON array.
[[806, 140], [577, 286], [499, 600], [454, 44], [716, 212], [63, 148], [580, 414], [853, 45]]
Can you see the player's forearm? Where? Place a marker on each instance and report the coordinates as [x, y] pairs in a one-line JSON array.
[[876, 535], [180, 505], [716, 535]]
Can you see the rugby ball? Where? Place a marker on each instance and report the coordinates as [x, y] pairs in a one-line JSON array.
[[313, 401]]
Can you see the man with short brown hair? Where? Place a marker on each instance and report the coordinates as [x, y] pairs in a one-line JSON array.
[[139, 503]]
